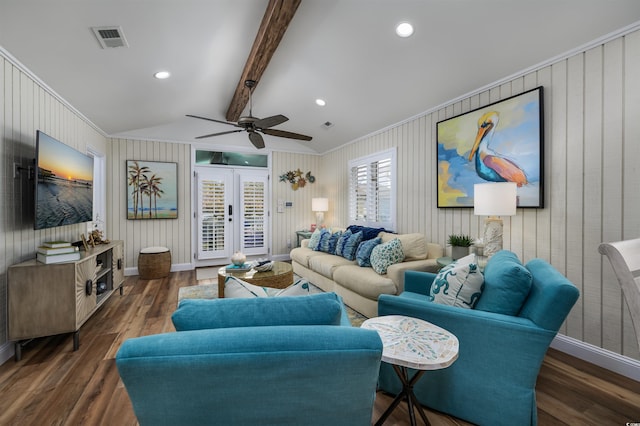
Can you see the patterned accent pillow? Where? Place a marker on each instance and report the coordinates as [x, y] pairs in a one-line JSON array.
[[333, 242], [315, 239], [350, 247], [237, 288], [385, 255], [459, 283], [363, 254], [328, 241], [342, 241], [323, 243]]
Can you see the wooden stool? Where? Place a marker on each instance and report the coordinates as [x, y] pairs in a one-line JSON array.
[[154, 262]]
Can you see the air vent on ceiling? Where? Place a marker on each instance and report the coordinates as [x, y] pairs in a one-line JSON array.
[[110, 37]]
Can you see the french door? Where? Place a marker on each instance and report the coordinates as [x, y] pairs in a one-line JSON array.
[[232, 213]]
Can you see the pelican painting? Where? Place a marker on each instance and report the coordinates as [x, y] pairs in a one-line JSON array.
[[490, 165], [498, 142]]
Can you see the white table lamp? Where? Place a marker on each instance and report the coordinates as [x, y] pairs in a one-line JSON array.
[[494, 200], [319, 205]]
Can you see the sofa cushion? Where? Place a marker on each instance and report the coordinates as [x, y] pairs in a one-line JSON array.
[[201, 314], [314, 240], [342, 241], [364, 281], [327, 264], [414, 246], [365, 248], [302, 255], [458, 284], [351, 246], [506, 284], [386, 254]]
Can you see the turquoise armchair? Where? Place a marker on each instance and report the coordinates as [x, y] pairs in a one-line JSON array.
[[267, 361], [493, 380]]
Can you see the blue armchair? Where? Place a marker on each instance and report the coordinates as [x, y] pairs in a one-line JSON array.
[[267, 361], [493, 380]]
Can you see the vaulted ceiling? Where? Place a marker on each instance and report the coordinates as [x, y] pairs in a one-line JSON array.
[[343, 51]]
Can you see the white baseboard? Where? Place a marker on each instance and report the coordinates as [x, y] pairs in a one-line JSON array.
[[612, 361], [174, 268]]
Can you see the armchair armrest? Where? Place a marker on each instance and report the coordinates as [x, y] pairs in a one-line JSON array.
[[418, 281]]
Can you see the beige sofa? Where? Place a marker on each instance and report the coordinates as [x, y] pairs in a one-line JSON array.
[[361, 286]]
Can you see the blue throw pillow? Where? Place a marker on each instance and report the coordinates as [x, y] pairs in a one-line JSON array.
[[458, 284], [323, 243], [333, 242], [506, 284], [342, 241], [350, 247], [363, 254], [315, 239]]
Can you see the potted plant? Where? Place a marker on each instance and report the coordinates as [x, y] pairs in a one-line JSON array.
[[460, 244]]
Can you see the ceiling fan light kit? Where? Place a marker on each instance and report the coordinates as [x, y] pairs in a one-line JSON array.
[[254, 126]]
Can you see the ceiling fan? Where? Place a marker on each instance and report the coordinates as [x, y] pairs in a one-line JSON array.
[[254, 126]]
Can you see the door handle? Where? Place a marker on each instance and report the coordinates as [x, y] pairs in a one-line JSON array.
[[230, 213]]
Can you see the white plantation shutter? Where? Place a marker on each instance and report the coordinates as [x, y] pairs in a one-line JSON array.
[[253, 214], [372, 195], [214, 236]]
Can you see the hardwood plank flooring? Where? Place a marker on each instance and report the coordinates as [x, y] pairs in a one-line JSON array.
[[54, 385]]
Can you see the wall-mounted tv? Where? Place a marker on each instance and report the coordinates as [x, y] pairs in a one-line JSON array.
[[64, 184]]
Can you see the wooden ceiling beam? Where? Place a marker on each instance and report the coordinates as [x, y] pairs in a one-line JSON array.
[[275, 21]]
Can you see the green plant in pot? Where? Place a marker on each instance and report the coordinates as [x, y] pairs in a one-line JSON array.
[[460, 244]]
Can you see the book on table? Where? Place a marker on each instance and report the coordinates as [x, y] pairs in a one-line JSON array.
[[60, 250], [238, 268], [58, 258], [56, 244]]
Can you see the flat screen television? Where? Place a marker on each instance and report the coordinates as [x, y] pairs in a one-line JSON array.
[[64, 184]]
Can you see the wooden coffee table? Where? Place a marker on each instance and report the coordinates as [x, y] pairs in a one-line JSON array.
[[412, 343], [280, 276]]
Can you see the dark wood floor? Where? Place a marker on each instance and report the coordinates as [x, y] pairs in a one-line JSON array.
[[54, 385]]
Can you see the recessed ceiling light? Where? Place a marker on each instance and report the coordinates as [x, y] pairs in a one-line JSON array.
[[320, 102], [161, 75], [404, 29]]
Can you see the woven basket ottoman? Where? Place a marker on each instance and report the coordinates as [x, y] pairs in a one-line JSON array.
[[154, 262]]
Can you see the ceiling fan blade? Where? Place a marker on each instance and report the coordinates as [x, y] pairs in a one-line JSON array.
[[256, 140], [217, 134], [267, 122], [212, 119], [284, 134]]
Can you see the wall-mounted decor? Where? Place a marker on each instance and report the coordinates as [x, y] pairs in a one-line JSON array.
[[500, 142], [152, 190], [297, 178]]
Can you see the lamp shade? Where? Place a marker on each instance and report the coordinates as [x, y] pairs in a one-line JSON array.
[[320, 204], [495, 199]]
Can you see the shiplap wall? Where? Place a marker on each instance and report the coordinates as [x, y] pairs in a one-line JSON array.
[[592, 152], [299, 216], [26, 105], [174, 234]]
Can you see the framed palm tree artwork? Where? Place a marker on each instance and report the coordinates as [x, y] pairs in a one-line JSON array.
[[152, 190]]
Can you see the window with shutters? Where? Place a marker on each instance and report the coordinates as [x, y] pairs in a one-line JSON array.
[[372, 190], [254, 214]]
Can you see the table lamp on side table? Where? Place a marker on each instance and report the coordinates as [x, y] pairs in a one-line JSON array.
[[494, 200], [319, 205]]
